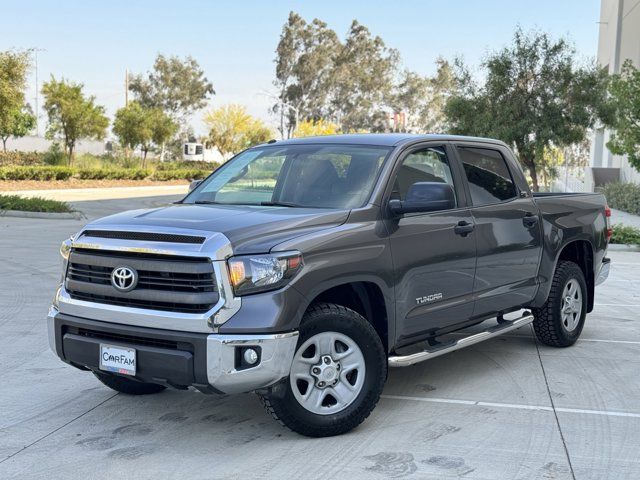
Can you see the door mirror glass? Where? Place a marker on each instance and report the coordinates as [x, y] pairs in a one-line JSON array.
[[425, 197]]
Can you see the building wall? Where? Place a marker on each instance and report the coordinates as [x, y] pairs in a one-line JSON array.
[[618, 40], [39, 144]]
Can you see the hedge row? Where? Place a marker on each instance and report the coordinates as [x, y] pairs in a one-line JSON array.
[[21, 158], [35, 173], [63, 173], [623, 196]]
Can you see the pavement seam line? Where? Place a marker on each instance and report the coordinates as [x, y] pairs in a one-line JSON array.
[[553, 406], [57, 429]]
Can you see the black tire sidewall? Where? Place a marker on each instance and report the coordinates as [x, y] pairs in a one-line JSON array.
[[359, 330], [571, 272]]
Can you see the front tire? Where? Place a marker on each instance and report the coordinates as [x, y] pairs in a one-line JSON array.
[[127, 385], [337, 374], [559, 322]]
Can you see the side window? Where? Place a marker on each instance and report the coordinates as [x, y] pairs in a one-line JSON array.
[[428, 165], [488, 175]]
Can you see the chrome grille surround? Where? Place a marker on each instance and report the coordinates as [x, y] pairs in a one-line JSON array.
[[213, 252]]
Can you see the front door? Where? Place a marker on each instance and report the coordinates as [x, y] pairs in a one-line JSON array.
[[434, 259], [508, 235]]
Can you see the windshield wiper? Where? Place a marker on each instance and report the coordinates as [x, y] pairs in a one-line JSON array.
[[206, 202], [280, 204]]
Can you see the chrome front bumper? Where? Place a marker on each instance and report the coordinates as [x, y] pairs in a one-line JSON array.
[[276, 355]]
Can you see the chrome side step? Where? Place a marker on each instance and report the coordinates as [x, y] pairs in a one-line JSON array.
[[503, 326]]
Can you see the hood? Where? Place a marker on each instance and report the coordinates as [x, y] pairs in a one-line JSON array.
[[251, 229]]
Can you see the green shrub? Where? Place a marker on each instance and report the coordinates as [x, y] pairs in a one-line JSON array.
[[112, 174], [182, 174], [42, 173], [33, 204], [186, 165], [623, 196], [626, 235], [55, 156], [21, 158]]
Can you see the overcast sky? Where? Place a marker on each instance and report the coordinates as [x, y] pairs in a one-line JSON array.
[[94, 42]]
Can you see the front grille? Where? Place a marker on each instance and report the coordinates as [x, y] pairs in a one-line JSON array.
[[168, 283], [120, 338], [145, 236]]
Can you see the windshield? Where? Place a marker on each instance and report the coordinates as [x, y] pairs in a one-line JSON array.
[[320, 176]]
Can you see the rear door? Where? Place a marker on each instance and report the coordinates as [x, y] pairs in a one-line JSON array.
[[434, 262], [508, 230]]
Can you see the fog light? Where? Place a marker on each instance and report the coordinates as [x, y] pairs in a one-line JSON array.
[[250, 356]]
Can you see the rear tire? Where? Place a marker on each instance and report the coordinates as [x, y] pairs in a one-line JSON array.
[[337, 374], [128, 386], [559, 322]]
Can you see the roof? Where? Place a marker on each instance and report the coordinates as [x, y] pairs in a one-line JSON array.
[[381, 139]]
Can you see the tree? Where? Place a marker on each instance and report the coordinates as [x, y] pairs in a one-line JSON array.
[[423, 99], [305, 59], [132, 127], [535, 96], [232, 129], [163, 128], [177, 86], [625, 121], [363, 78], [310, 128], [72, 116], [14, 66], [19, 123]]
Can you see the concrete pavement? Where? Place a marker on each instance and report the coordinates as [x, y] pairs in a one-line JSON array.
[[504, 409], [107, 193]]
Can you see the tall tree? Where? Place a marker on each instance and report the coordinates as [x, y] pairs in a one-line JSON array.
[[177, 86], [163, 129], [14, 66], [131, 126], [535, 96], [423, 99], [363, 78], [72, 116], [232, 129], [305, 59], [19, 123], [625, 121]]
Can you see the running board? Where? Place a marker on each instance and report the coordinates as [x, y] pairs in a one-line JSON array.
[[503, 326]]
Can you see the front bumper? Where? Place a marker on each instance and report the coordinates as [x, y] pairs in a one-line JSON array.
[[208, 362]]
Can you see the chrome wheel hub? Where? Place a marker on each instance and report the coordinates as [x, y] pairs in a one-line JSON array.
[[571, 309], [327, 373]]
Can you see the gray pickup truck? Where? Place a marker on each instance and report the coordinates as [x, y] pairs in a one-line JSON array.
[[303, 269]]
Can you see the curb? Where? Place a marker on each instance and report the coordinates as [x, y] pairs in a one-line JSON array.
[[45, 215], [619, 247]]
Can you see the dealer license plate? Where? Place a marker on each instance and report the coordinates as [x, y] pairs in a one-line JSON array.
[[117, 359]]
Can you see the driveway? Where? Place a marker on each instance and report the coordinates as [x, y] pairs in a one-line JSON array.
[[507, 408]]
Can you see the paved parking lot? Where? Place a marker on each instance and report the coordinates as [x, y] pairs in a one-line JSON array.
[[508, 408]]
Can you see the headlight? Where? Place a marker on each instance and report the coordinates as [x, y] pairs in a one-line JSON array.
[[260, 273], [65, 249]]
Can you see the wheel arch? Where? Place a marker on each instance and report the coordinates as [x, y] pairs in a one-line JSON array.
[[582, 253], [365, 297]]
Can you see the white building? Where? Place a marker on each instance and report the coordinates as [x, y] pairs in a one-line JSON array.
[[618, 40]]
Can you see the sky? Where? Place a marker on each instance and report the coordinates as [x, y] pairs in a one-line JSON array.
[[95, 42]]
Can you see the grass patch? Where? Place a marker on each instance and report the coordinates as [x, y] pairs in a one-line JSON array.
[[624, 234], [33, 204]]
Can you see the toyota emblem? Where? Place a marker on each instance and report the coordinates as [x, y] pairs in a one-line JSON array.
[[124, 279]]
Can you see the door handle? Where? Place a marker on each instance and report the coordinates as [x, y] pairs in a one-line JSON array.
[[464, 228], [529, 219]]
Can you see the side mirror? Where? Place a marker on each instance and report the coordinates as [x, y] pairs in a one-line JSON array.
[[425, 197], [194, 184]]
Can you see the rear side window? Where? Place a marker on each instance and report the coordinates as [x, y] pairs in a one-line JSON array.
[[488, 175]]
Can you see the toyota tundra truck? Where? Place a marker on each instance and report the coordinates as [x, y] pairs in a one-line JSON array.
[[302, 269]]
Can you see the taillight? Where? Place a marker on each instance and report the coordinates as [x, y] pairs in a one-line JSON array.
[[607, 218]]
